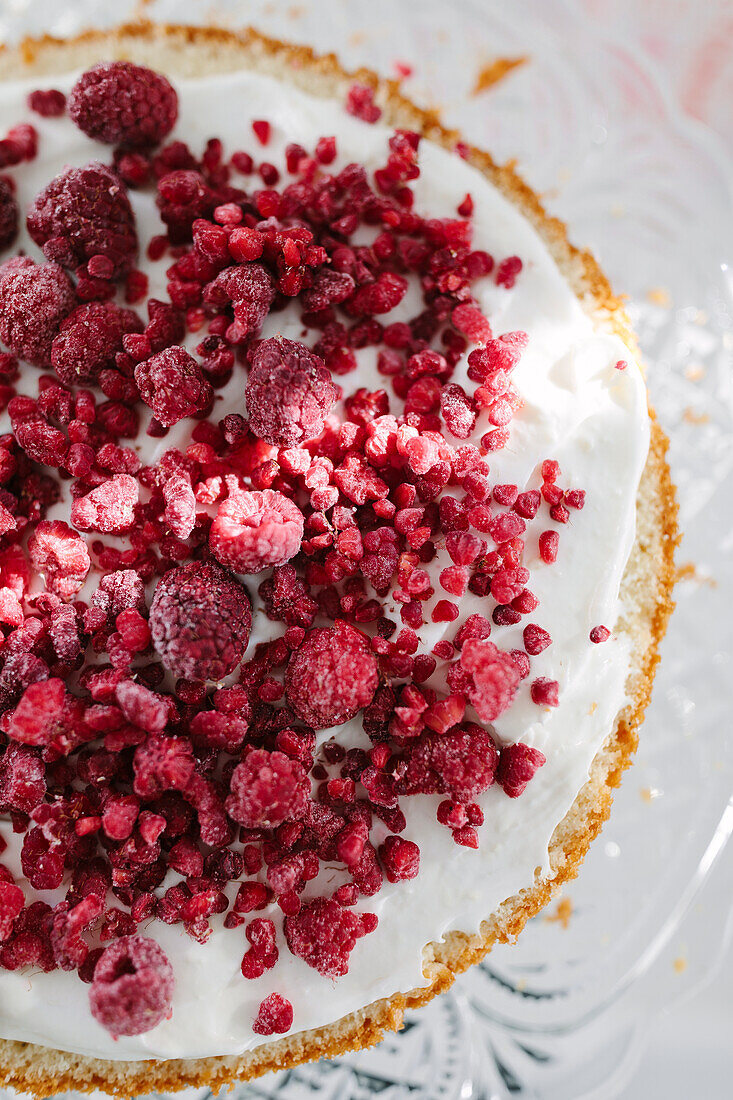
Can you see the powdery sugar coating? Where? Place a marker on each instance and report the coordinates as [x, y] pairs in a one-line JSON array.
[[332, 676], [254, 530], [132, 987], [122, 103], [289, 393]]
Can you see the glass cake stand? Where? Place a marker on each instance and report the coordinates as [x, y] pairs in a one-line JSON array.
[[564, 1013]]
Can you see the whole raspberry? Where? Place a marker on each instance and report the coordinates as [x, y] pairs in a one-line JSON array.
[[324, 935], [173, 385], [22, 778], [200, 620], [274, 1016], [88, 339], [61, 556], [85, 212], [8, 216], [488, 676], [250, 289], [331, 676], [183, 196], [123, 104], [517, 765], [289, 393], [110, 508], [254, 530], [461, 763], [132, 987], [34, 300], [268, 788]]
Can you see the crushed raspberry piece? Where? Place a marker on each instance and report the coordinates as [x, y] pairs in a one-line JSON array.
[[110, 508], [183, 196], [267, 789], [173, 385], [8, 216], [286, 597], [544, 692], [180, 505], [69, 948], [274, 1016], [123, 104], [289, 393], [548, 543], [600, 634], [22, 778], [400, 858], [457, 409], [35, 719], [61, 556], [461, 764], [507, 271], [360, 102], [491, 678], [85, 213], [88, 340], [132, 987], [252, 531], [380, 296], [517, 765], [34, 300], [12, 901], [535, 639], [200, 620], [48, 103], [249, 289], [331, 676], [142, 707], [324, 934]]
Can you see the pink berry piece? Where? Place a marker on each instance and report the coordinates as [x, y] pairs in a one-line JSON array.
[[517, 764], [360, 103], [123, 104], [84, 213], [61, 556], [36, 718], [274, 1016], [250, 291], [324, 934], [34, 300], [48, 103], [173, 385], [254, 530], [491, 678], [88, 340], [12, 901], [599, 634], [22, 778], [132, 988], [400, 858], [110, 508], [267, 789], [289, 393], [200, 620], [8, 216], [331, 676], [545, 692]]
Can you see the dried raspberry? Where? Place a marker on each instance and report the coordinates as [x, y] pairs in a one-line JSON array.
[[180, 505], [132, 988], [118, 592], [380, 296], [286, 597], [250, 289], [535, 639], [183, 197], [457, 409], [110, 508], [548, 543], [544, 692], [461, 763], [252, 531], [12, 901], [324, 935], [123, 104], [48, 103], [360, 102], [22, 778], [36, 718], [34, 300], [267, 788], [142, 707], [400, 858], [289, 393], [491, 678], [69, 949], [517, 765], [274, 1016], [8, 216], [61, 556], [331, 676], [163, 764], [85, 213], [600, 634], [173, 385], [88, 340], [200, 620]]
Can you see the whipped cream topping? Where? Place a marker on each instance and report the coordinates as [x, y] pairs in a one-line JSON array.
[[577, 409]]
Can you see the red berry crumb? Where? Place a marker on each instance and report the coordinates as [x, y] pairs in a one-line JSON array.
[[491, 678], [48, 103], [544, 692], [600, 634], [123, 104], [289, 393], [400, 858], [274, 1016], [331, 677], [517, 765], [132, 988], [252, 531], [110, 508], [8, 216]]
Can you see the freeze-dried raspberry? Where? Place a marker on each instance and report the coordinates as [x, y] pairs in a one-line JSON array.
[[88, 340], [200, 620], [61, 556], [8, 216], [249, 289], [36, 718], [331, 676], [173, 385], [461, 763], [491, 678], [599, 634], [180, 505], [69, 949], [22, 778], [517, 765], [360, 102], [252, 531], [274, 1016], [458, 411], [545, 692], [142, 707], [324, 934], [267, 788], [163, 764], [85, 213], [12, 901], [110, 508], [34, 300], [183, 197], [289, 393], [286, 597], [380, 296], [123, 104], [400, 858], [48, 103], [117, 592], [535, 639], [132, 988]]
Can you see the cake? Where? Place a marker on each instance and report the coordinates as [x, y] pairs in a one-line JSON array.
[[337, 547]]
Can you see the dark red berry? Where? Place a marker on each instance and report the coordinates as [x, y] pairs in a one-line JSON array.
[[173, 385], [289, 393], [331, 677], [34, 300], [123, 104], [132, 988], [88, 340], [8, 216]]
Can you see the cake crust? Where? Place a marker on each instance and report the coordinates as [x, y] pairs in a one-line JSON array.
[[646, 591]]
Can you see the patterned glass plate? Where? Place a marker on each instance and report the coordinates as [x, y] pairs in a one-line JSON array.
[[562, 1015]]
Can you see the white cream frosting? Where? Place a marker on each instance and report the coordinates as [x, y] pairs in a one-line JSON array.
[[577, 409]]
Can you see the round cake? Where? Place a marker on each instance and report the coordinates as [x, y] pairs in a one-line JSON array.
[[336, 547]]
